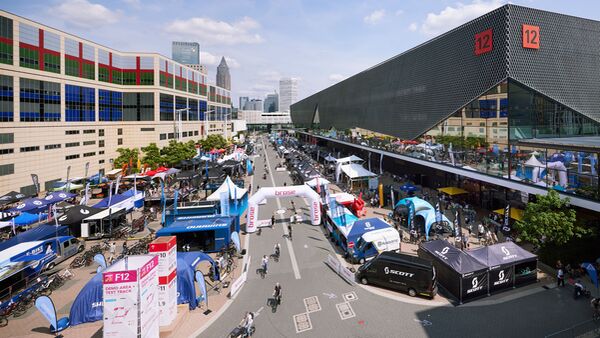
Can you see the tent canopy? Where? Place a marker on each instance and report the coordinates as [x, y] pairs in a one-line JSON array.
[[453, 257], [11, 197], [77, 214], [228, 186], [354, 170], [38, 233], [349, 159], [31, 204], [183, 225], [88, 305], [501, 254], [315, 181], [330, 158], [59, 196], [453, 191], [515, 213], [362, 226], [27, 219], [534, 162]]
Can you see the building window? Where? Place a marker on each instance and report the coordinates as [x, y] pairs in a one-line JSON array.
[[28, 149], [120, 131], [110, 105], [52, 146], [101, 143], [101, 162], [101, 132], [40, 101], [184, 134], [71, 132], [79, 59], [101, 152], [6, 92], [6, 151], [171, 136], [89, 154], [7, 169], [7, 138], [32, 50], [181, 105], [89, 143], [146, 129], [138, 106], [6, 40], [72, 144], [120, 141], [89, 131], [166, 107], [163, 136], [71, 157], [80, 104], [195, 133]]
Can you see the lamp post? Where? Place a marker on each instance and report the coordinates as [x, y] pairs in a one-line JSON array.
[[178, 126], [206, 121]]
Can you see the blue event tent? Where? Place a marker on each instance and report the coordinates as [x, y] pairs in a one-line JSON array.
[[27, 218], [186, 265], [88, 305], [364, 225], [39, 233], [29, 204]]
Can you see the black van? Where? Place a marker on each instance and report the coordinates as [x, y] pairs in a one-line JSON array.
[[400, 272]]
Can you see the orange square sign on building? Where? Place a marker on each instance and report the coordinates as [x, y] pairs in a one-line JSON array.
[[531, 36]]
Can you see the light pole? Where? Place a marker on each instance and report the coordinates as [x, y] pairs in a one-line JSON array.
[[206, 121], [178, 127]]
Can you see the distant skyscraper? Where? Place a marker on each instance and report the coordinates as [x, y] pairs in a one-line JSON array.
[[223, 77], [243, 100], [288, 93], [187, 53], [254, 104], [271, 103]]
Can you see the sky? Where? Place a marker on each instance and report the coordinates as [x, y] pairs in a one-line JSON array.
[[320, 42]]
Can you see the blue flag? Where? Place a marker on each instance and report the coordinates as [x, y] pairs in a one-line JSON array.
[[235, 238], [411, 216], [46, 307], [100, 259], [202, 284]]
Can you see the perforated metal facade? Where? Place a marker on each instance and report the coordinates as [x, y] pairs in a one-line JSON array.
[[412, 92]]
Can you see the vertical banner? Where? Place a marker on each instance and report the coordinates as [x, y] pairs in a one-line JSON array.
[[110, 186], [224, 197], [163, 201], [46, 307], [506, 228], [175, 198], [165, 248], [457, 226], [381, 197], [451, 154], [370, 162], [87, 168], [393, 199], [381, 164], [36, 184], [411, 217], [86, 196], [438, 216], [68, 183], [202, 285], [117, 185]]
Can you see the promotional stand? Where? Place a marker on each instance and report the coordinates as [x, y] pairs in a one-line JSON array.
[[166, 250]]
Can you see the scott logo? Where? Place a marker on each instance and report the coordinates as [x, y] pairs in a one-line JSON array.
[[474, 285], [445, 250], [388, 271], [507, 254], [475, 282], [501, 278], [505, 250], [501, 275]]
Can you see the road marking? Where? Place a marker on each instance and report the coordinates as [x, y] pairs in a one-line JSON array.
[[288, 241], [312, 304], [280, 211], [302, 322], [330, 295], [305, 246], [259, 310], [345, 310], [350, 296]]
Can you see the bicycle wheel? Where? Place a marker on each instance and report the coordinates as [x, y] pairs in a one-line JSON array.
[[20, 310], [3, 321]]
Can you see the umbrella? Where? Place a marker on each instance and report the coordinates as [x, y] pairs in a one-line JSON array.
[[407, 187]]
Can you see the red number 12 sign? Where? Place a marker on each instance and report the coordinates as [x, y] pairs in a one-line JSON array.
[[483, 42]]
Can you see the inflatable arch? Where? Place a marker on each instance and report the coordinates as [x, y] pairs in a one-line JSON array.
[[278, 192]]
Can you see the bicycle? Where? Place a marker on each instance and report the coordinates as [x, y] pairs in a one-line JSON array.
[[262, 272], [275, 257]]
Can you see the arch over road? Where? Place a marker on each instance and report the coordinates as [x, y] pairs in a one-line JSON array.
[[278, 192]]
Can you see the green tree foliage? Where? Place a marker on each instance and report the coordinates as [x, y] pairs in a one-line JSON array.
[[549, 218], [173, 153], [152, 156], [215, 141], [126, 156]]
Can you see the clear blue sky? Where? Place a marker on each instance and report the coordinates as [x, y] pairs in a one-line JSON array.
[[318, 41]]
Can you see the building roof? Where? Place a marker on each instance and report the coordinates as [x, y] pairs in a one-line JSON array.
[[581, 143]]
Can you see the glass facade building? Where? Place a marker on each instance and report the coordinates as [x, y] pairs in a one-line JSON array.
[[187, 53], [477, 97]]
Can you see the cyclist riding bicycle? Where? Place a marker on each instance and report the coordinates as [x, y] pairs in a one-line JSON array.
[[277, 250], [277, 292]]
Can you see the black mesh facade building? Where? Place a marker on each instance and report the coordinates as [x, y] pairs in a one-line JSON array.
[[479, 95]]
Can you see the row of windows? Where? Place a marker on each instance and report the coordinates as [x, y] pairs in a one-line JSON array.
[[171, 136], [40, 101], [71, 157], [79, 104], [89, 154], [28, 149], [52, 146], [6, 151]]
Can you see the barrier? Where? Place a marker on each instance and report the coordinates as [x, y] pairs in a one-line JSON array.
[[340, 269], [277, 192]]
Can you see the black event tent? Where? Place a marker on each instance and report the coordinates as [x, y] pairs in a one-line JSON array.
[[462, 275], [76, 214], [509, 265], [11, 197]]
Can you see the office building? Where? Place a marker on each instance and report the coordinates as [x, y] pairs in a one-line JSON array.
[[271, 103], [508, 101], [259, 120], [223, 76], [254, 104], [288, 91], [187, 53], [243, 101], [66, 101]]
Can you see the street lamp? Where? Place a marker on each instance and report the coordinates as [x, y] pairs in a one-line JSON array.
[[178, 126], [206, 121]]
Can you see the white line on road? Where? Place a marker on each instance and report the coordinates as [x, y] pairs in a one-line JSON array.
[[288, 241]]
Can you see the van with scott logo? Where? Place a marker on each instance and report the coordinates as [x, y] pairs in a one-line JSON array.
[[410, 274]]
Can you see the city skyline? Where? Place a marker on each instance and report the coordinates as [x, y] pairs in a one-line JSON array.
[[319, 44]]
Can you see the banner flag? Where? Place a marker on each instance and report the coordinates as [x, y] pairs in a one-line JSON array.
[[100, 259], [36, 183], [87, 167], [68, 183], [46, 307], [202, 285], [224, 197], [411, 216], [457, 226], [506, 228], [117, 185], [175, 198], [110, 186], [86, 196], [381, 164], [235, 238], [163, 201], [370, 162]]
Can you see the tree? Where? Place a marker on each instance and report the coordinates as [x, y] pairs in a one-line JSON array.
[[126, 156], [549, 218], [152, 156], [175, 152], [215, 141]]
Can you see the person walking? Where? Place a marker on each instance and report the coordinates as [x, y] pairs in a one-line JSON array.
[[125, 248], [289, 227], [560, 277], [273, 219], [265, 263], [112, 249]]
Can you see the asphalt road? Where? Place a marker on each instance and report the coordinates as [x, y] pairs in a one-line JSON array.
[[368, 315]]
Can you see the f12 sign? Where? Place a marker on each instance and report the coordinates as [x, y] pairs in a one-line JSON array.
[[531, 36], [483, 42]]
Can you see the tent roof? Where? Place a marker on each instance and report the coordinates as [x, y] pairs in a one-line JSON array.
[[11, 197], [501, 254], [196, 224], [114, 172], [330, 158], [361, 226], [77, 214], [343, 197], [27, 218], [515, 213], [534, 162], [41, 231], [85, 307], [355, 170], [31, 204], [453, 191], [352, 158], [320, 180], [453, 257], [228, 185]]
